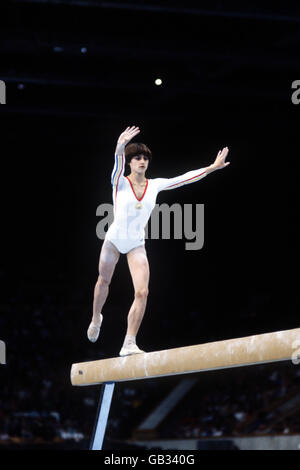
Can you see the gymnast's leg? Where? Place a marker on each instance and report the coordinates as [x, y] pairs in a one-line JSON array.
[[108, 259], [139, 270]]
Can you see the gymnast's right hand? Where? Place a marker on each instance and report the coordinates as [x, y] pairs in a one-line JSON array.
[[126, 137]]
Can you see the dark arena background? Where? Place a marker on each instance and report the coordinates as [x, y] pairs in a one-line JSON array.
[[76, 74]]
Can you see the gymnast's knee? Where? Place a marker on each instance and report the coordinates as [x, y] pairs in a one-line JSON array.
[[141, 293]]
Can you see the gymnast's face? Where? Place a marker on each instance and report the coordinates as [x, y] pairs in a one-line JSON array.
[[139, 164]]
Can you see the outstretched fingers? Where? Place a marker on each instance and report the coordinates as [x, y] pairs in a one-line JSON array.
[[131, 129], [224, 155], [130, 132], [220, 160]]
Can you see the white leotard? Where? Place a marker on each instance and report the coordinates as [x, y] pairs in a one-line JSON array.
[[128, 228]]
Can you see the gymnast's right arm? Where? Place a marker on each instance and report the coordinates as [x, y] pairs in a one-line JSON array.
[[119, 165]]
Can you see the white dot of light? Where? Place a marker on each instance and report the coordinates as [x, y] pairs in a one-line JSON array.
[[158, 81], [20, 86], [83, 50]]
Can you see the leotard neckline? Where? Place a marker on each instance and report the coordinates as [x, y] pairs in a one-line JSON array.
[[139, 199]]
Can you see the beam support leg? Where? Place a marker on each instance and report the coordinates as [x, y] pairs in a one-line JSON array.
[[102, 415]]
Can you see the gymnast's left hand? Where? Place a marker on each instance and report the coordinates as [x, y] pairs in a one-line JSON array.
[[219, 162]]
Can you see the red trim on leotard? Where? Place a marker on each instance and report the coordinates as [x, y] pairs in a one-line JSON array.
[[134, 190], [181, 182]]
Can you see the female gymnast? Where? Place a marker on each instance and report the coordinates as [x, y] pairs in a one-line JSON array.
[[134, 199]]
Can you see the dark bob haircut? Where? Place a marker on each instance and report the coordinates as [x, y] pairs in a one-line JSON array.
[[135, 149]]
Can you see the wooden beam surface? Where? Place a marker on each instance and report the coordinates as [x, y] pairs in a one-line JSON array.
[[257, 349]]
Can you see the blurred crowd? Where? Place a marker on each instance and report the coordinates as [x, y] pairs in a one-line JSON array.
[[265, 402]]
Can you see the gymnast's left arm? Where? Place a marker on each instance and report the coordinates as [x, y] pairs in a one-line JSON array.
[[194, 175]]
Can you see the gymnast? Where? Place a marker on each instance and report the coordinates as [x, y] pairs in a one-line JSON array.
[[134, 199]]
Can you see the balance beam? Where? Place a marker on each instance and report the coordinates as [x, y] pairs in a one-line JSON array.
[[250, 350]]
